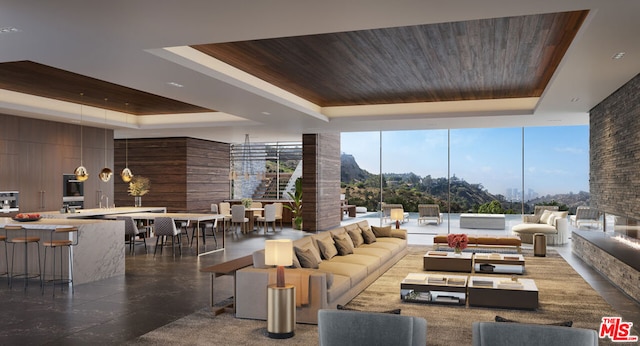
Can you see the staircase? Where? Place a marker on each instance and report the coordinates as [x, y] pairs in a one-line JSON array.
[[269, 188]]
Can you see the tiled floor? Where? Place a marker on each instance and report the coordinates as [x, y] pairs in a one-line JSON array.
[[158, 290]]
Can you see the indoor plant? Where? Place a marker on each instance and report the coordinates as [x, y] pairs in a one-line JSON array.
[[138, 187], [458, 242], [296, 204]]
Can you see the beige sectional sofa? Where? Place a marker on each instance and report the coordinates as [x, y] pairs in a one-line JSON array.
[[336, 280]]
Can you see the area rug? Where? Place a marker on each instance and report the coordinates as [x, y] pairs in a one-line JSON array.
[[563, 296]]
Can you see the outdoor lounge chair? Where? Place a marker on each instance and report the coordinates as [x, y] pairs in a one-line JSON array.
[[585, 215], [428, 213]]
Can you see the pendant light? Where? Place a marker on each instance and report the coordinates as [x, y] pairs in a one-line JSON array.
[[126, 174], [81, 172], [106, 173]]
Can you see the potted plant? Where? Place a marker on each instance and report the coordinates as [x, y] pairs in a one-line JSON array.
[[138, 187], [296, 205]]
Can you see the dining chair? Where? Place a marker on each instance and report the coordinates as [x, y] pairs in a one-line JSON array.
[[225, 209], [256, 213], [279, 209], [269, 217], [132, 231], [166, 227], [208, 224], [237, 217]]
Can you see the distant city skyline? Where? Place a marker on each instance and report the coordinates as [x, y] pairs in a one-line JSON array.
[[556, 158]]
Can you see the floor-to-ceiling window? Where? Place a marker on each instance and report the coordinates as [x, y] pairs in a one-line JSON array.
[[506, 170]]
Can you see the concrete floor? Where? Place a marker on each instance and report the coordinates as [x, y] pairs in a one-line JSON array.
[[158, 290]]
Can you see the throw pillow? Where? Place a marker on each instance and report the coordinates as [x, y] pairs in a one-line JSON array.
[[545, 216], [356, 237], [343, 244], [306, 257], [327, 249], [313, 249], [381, 231], [561, 324], [295, 263], [392, 311], [368, 236], [552, 220]]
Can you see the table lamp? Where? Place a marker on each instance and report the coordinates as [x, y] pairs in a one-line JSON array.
[[281, 305], [397, 214]]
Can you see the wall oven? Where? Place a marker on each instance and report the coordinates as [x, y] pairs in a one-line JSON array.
[[72, 191]]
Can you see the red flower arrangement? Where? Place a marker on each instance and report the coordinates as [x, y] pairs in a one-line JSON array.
[[458, 242]]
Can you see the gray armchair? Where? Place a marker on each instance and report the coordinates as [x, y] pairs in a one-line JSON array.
[[509, 333], [340, 327]]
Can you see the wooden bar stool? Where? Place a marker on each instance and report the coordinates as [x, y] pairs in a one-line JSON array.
[[26, 241], [59, 243], [3, 239]]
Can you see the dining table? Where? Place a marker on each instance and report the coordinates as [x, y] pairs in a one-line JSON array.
[[197, 217], [250, 214]]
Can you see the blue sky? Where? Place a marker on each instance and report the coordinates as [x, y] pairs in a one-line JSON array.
[[556, 158]]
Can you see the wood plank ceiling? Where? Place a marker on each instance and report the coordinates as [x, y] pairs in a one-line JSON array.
[[37, 79], [471, 60]]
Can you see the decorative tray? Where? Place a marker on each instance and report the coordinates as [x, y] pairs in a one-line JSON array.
[[26, 217]]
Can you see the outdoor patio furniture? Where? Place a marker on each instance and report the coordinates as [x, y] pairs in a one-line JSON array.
[[428, 213], [386, 212], [585, 216]]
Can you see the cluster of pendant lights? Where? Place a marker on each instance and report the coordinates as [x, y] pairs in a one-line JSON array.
[[106, 173]]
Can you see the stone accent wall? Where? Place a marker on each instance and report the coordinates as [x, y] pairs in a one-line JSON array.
[[620, 274], [320, 181], [614, 142]]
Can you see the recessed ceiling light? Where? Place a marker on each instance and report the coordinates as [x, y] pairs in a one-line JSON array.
[[575, 99], [174, 84], [266, 113], [8, 29], [618, 56]]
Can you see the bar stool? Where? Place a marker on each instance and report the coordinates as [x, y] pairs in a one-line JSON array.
[[3, 239], [59, 243], [26, 241]]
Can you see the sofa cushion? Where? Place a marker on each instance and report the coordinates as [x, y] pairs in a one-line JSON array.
[[356, 272], [344, 244], [381, 231], [356, 237], [369, 237], [534, 228], [371, 262], [380, 252], [327, 248], [306, 257], [545, 216]]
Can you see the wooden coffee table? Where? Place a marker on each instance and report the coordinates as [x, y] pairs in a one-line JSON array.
[[501, 292], [448, 261], [498, 263], [434, 289]]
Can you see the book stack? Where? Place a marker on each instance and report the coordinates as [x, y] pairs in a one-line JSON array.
[[437, 253], [456, 281], [416, 278], [483, 283], [436, 280]]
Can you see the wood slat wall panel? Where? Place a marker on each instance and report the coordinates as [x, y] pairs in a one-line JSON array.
[[320, 181], [186, 174]]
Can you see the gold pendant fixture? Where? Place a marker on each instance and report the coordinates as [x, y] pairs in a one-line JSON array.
[[81, 172], [106, 173], [126, 173]]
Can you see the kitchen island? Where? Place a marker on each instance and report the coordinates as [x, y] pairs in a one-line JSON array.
[[100, 213], [100, 252]]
